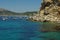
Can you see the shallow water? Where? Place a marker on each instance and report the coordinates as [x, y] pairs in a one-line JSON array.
[[21, 29]]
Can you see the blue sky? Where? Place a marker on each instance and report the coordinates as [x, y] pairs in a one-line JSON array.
[[20, 5]]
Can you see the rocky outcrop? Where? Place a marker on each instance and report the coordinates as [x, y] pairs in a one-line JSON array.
[[49, 11]]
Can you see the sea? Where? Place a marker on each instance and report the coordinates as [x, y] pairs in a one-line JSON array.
[[22, 29]]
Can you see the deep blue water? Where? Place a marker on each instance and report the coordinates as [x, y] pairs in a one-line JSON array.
[[18, 29], [21, 29]]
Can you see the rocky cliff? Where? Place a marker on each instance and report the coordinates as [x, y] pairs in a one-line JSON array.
[[49, 11]]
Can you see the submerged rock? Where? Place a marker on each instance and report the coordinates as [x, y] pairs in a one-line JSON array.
[[57, 28]]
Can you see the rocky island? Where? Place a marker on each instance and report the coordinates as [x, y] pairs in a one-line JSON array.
[[49, 12]]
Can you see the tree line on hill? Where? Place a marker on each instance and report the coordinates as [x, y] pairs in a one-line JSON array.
[[7, 12]]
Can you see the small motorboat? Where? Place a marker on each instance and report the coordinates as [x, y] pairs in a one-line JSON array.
[[4, 18]]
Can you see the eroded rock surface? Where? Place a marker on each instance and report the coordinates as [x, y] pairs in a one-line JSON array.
[[49, 11]]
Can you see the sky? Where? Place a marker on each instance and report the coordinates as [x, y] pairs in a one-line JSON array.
[[20, 5]]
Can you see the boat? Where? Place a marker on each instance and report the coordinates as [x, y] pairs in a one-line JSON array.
[[4, 18]]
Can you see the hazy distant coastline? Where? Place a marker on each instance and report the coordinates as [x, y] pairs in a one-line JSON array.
[[4, 12]]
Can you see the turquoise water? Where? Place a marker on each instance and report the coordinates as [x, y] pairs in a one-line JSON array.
[[18, 29], [21, 29]]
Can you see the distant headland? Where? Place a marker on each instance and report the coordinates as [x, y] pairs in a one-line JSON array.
[[9, 13]]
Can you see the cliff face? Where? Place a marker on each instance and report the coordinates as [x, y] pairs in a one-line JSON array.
[[49, 11]]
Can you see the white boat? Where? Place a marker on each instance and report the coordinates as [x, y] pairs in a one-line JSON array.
[[3, 19]]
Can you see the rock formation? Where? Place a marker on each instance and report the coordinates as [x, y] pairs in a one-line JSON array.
[[49, 11]]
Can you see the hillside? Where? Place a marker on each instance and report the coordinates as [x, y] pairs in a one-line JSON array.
[[7, 12]]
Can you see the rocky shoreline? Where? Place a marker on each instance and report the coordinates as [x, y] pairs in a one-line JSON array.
[[49, 12]]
